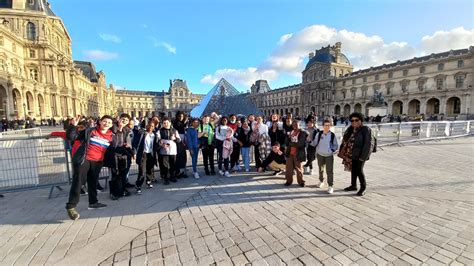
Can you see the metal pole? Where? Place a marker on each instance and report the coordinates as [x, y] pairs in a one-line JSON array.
[[399, 131]]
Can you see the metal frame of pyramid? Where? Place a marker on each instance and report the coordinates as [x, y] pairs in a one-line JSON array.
[[224, 99]]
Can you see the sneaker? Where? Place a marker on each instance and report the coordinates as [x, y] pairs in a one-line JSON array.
[[139, 190], [361, 193], [330, 190], [320, 185], [350, 188], [128, 185], [302, 184], [150, 185], [227, 174], [213, 172], [287, 184], [221, 172], [73, 214], [305, 171], [277, 172], [247, 170], [100, 188], [83, 192], [96, 206], [126, 193], [196, 175], [113, 197]]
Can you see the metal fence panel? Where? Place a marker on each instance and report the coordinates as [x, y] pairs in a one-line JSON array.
[[29, 132], [35, 162]]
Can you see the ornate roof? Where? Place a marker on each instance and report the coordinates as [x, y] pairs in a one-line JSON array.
[[31, 5], [326, 57], [88, 69]]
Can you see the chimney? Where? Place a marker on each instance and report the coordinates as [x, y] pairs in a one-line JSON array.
[[311, 55]]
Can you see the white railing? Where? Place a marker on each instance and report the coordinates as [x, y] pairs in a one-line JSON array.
[[35, 131], [405, 132]]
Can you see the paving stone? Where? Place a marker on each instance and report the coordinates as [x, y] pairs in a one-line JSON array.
[[252, 255]]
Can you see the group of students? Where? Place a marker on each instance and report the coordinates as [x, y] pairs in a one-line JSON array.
[[280, 145]]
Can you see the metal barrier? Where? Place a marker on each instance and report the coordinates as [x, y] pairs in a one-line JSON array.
[[33, 162], [405, 132], [36, 131]]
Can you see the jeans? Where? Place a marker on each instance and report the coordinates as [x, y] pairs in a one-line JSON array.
[[194, 158], [246, 157], [89, 170], [220, 160]]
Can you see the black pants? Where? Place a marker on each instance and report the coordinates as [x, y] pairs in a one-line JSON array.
[[234, 157], [167, 170], [119, 176], [310, 156], [358, 171], [89, 170], [258, 161], [208, 157], [145, 169]]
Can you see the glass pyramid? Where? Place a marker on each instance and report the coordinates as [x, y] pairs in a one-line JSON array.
[[224, 99]]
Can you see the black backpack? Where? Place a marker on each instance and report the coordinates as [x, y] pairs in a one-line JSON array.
[[373, 140]]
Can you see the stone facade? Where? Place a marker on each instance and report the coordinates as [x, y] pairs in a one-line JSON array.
[[38, 77], [147, 103], [437, 84]]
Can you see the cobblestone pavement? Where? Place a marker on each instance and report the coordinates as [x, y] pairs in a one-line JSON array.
[[418, 210]]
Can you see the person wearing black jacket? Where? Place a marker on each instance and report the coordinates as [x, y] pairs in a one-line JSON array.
[[242, 135], [179, 124], [97, 150], [119, 174], [145, 146], [277, 134], [275, 160], [355, 150]]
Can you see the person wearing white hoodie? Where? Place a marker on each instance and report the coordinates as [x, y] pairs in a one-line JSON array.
[[221, 136]]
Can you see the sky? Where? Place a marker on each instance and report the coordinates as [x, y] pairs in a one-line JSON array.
[[142, 44]]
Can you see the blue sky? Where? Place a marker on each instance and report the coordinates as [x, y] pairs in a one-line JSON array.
[[142, 44]]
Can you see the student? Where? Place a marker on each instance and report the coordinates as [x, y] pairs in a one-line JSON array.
[[326, 145], [206, 141], [145, 145], [243, 139], [97, 149], [180, 124], [275, 161], [222, 135], [168, 138], [295, 153], [310, 149], [193, 144]]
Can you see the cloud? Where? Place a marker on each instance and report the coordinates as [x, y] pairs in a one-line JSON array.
[[99, 55], [156, 43], [446, 40], [291, 51], [110, 37]]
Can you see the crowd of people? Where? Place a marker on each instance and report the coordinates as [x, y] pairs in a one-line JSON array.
[[279, 145]]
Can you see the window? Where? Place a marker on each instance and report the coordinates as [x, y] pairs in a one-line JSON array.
[[460, 63], [389, 90], [32, 53], [440, 83], [344, 83], [390, 75], [14, 48], [353, 81], [459, 81], [422, 69], [364, 79], [377, 77], [1, 40], [421, 85], [440, 67], [34, 74], [353, 93], [31, 2], [404, 85], [2, 64], [31, 31], [405, 72], [343, 95]]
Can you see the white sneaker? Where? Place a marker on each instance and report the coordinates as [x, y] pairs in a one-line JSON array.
[[320, 185], [221, 172], [227, 174], [196, 175], [330, 190], [305, 171]]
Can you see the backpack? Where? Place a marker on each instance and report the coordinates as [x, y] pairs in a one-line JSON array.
[[315, 132], [321, 133], [373, 140]]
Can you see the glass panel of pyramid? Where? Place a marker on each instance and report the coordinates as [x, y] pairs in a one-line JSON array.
[[224, 99]]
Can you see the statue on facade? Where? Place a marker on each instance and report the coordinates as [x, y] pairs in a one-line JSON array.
[[378, 99]]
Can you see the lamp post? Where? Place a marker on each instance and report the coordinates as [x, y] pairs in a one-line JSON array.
[[24, 110]]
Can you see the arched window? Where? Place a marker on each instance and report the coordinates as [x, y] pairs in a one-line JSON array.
[[31, 31]]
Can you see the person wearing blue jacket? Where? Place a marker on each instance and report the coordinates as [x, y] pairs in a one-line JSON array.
[[193, 144]]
